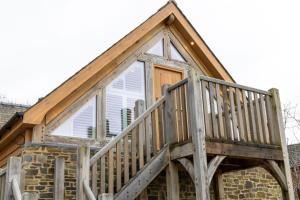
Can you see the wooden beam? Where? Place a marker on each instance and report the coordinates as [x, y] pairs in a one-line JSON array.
[[279, 128], [59, 178], [273, 167], [213, 166], [172, 181], [188, 166], [243, 151], [197, 131]]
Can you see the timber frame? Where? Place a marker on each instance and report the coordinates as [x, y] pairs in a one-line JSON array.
[[205, 123]]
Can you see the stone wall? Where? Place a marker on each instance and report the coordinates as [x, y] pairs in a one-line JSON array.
[[255, 183], [38, 164]]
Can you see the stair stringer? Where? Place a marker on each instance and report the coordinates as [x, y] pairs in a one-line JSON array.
[[145, 176]]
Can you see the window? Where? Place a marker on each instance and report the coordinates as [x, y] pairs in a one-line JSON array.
[[121, 95], [175, 54], [157, 49], [81, 124]]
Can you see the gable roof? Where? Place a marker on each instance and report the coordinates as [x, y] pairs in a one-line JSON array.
[[37, 112]]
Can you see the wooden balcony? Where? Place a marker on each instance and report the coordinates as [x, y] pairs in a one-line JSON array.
[[237, 120]]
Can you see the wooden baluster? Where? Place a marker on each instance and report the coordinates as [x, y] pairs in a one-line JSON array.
[[160, 127], [102, 175], [240, 115], [264, 119], [111, 171], [94, 178], [155, 131], [205, 110], [179, 115], [126, 160], [270, 120], [258, 120], [252, 117], [119, 165], [226, 113], [140, 109], [233, 115], [220, 112], [184, 112], [246, 116], [133, 152], [213, 111]]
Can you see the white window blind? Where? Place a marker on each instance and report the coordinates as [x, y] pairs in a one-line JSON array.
[[121, 95], [80, 124]]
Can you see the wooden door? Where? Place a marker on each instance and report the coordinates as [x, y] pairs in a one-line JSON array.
[[164, 75]]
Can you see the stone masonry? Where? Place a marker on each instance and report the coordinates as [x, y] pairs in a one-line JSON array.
[[38, 164]]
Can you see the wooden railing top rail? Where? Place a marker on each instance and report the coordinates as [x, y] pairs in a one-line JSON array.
[[129, 128], [178, 84], [235, 85]]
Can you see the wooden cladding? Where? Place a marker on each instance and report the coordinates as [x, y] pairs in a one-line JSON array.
[[236, 113]]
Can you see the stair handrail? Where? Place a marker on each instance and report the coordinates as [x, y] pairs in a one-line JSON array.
[[129, 128]]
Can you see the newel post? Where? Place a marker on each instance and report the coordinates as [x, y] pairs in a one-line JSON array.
[[197, 130], [83, 171], [13, 172], [169, 116], [279, 130]]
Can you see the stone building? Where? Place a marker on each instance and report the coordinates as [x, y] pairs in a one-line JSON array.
[[156, 116]]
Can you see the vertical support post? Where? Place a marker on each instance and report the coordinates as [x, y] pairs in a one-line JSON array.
[[197, 130], [169, 116], [83, 170], [101, 121], [13, 171], [59, 178], [279, 131], [172, 181], [219, 185]]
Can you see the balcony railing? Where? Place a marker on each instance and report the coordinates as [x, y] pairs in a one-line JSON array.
[[231, 112]]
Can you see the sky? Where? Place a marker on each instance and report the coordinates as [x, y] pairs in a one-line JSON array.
[[44, 42]]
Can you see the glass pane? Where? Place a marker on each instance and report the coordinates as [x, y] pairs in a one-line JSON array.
[[120, 100], [175, 54], [157, 49], [81, 124]]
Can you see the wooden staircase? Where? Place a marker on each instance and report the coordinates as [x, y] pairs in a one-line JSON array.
[[196, 120]]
